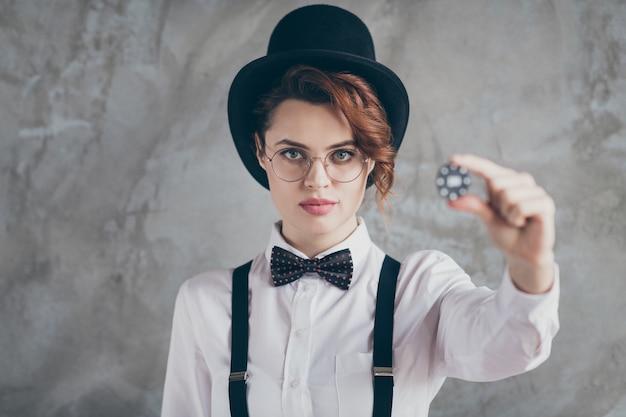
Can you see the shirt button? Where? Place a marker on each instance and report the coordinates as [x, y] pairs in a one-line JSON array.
[[295, 383], [300, 332]]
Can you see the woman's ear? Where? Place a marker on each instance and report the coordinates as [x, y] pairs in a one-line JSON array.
[[370, 166], [260, 154]]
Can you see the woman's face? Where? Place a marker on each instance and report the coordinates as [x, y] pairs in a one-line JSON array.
[[315, 208]]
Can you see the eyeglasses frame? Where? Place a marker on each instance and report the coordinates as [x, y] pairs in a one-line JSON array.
[[310, 164]]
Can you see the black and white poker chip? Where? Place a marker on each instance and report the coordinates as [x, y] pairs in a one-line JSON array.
[[452, 181]]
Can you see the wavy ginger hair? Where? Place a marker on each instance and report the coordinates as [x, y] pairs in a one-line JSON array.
[[356, 99]]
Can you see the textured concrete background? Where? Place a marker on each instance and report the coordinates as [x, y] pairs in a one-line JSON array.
[[119, 180]]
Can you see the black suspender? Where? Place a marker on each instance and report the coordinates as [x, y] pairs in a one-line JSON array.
[[239, 343], [383, 337], [383, 340]]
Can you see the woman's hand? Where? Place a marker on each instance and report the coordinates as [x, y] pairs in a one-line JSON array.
[[519, 217]]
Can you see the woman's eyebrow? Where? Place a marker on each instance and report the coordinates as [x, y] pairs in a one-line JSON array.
[[295, 144], [342, 144], [290, 142]]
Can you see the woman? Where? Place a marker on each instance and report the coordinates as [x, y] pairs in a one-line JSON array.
[[317, 121]]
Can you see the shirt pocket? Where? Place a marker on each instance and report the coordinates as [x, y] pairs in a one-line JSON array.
[[353, 379]]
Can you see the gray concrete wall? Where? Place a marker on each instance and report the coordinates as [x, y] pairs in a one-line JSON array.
[[119, 180]]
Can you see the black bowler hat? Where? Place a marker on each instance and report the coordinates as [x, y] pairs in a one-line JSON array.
[[325, 37]]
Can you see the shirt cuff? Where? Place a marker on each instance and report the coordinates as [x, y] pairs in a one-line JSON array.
[[510, 298]]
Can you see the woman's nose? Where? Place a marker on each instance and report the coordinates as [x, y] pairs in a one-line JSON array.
[[317, 177]]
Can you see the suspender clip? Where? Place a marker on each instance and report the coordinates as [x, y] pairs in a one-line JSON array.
[[383, 371], [238, 376]]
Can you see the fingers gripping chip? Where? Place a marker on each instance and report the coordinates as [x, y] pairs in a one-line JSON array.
[[452, 181]]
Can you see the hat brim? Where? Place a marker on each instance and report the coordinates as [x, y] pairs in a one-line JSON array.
[[257, 78]]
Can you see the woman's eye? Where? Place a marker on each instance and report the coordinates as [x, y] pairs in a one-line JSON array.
[[343, 155], [291, 154]]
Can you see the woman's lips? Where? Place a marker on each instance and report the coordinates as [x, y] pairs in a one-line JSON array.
[[317, 206]]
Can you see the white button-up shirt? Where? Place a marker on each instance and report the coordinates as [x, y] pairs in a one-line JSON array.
[[310, 343]]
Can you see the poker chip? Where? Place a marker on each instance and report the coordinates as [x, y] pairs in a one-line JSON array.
[[452, 181]]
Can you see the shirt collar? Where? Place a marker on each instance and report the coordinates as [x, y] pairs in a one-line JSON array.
[[358, 242]]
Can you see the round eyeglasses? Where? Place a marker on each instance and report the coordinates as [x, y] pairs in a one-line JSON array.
[[342, 165]]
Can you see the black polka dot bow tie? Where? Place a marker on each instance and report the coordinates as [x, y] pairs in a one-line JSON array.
[[335, 268]]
